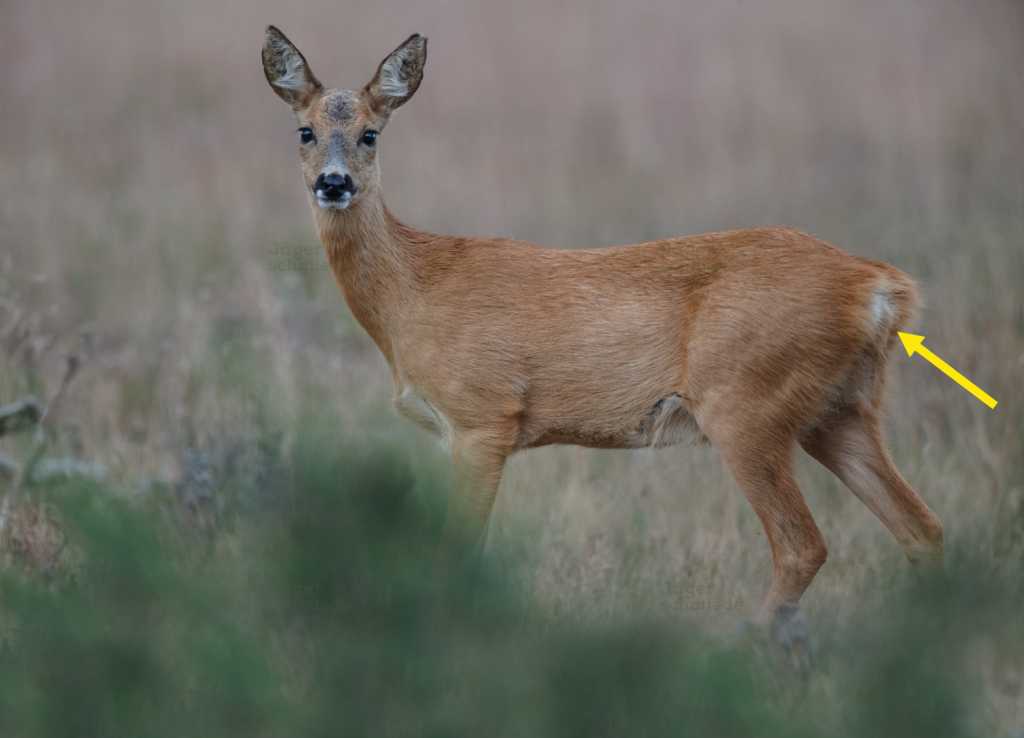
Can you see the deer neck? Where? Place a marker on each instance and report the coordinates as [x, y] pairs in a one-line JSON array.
[[369, 254]]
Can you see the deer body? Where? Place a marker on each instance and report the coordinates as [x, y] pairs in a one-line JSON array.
[[581, 346], [757, 340]]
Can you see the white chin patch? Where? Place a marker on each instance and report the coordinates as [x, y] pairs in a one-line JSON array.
[[344, 202]]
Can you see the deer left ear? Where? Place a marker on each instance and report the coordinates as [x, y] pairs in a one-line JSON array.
[[287, 71], [398, 76]]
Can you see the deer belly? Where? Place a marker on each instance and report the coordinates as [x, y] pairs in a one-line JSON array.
[[666, 424]]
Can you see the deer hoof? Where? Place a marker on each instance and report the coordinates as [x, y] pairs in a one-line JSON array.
[[789, 630]]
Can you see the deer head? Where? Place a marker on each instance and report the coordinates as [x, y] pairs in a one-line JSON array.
[[339, 130]]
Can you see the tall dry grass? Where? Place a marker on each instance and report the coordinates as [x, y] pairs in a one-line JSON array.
[[152, 222]]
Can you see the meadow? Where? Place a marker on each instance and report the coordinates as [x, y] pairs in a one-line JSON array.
[[254, 552]]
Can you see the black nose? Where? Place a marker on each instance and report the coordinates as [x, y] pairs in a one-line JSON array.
[[333, 186]]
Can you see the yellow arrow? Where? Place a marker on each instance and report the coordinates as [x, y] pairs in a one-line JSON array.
[[914, 344]]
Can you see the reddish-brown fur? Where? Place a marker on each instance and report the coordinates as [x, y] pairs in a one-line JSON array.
[[757, 340]]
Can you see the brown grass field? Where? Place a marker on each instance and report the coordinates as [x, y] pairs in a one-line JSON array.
[[153, 224]]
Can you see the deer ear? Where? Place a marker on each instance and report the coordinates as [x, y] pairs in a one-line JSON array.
[[287, 71], [398, 76]]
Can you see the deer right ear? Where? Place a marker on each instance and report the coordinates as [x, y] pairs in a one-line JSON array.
[[398, 76], [287, 71]]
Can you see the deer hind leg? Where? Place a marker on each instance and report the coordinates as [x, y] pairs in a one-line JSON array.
[[851, 446], [764, 471]]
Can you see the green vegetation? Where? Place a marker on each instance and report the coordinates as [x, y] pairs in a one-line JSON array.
[[332, 610], [232, 575]]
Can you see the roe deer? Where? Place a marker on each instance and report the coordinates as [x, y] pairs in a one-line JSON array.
[[755, 340]]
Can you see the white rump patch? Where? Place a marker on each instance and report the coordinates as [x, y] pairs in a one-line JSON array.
[[880, 310]]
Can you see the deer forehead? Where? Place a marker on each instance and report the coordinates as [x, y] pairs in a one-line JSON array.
[[340, 105], [339, 108]]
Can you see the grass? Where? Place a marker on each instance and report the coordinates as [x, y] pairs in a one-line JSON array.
[[152, 225], [332, 610]]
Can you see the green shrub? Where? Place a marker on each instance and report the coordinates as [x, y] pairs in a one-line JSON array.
[[333, 611]]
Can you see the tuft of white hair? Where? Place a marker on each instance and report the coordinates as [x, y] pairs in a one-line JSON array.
[[392, 83], [881, 310], [294, 76]]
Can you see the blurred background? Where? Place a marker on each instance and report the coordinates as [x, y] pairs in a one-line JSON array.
[[154, 232]]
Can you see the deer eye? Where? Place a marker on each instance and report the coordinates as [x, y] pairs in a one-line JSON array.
[[369, 138], [306, 135]]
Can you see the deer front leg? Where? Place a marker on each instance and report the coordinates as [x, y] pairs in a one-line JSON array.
[[479, 460]]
